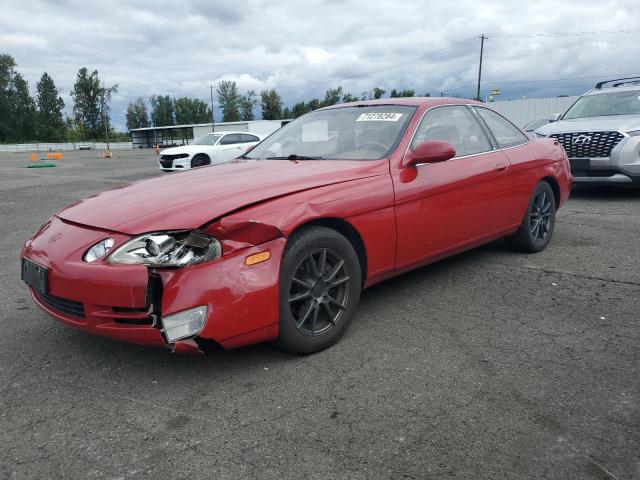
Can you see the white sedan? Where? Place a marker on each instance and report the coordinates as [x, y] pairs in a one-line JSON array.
[[211, 149]]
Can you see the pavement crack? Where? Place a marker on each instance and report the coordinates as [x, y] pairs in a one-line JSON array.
[[562, 272]]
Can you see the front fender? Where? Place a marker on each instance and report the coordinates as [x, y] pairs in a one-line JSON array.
[[366, 204]]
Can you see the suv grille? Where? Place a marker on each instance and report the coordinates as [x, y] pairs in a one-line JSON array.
[[62, 305], [588, 144]]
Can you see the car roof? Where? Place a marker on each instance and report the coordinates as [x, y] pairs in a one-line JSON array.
[[408, 101], [622, 88], [234, 132]]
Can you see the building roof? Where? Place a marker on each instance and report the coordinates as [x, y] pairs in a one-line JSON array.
[[178, 127]]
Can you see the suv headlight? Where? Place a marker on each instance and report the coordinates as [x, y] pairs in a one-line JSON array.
[[635, 133], [167, 249]]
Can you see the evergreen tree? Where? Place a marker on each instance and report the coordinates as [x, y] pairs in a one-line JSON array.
[[51, 125], [299, 109], [7, 72], [23, 110]]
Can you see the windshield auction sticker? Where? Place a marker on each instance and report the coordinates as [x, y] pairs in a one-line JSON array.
[[379, 117]]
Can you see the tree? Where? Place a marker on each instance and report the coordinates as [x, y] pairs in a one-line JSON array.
[[299, 108], [51, 125], [247, 103], [7, 72], [286, 113], [332, 96], [378, 92], [314, 104], [91, 104], [347, 97], [137, 115], [23, 110], [191, 110], [229, 100], [402, 93], [271, 105], [162, 110]]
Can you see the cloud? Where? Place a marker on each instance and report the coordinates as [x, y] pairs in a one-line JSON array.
[[304, 48]]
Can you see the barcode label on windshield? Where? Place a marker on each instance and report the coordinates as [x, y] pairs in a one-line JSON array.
[[379, 117]]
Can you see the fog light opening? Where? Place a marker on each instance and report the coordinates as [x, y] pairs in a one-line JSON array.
[[184, 324]]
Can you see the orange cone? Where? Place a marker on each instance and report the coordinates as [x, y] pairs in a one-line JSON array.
[[34, 157]]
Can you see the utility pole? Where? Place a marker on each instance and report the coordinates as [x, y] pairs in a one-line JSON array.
[[212, 119], [482, 39], [105, 117]]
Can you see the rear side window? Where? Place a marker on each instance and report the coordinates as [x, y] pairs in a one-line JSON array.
[[505, 133], [456, 125], [229, 139], [246, 138]]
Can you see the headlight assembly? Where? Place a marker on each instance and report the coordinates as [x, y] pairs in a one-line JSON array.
[[635, 133], [167, 249]]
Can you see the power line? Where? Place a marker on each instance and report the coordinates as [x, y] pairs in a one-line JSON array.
[[567, 34], [553, 80]]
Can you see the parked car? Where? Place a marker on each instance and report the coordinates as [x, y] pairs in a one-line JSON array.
[[535, 124], [278, 245], [601, 133], [213, 148]]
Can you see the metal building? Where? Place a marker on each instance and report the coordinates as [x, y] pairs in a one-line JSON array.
[[523, 111], [175, 135]]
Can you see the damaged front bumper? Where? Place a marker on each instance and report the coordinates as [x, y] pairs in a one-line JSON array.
[[234, 304]]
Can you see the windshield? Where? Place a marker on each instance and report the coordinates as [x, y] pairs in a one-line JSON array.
[[605, 104], [208, 139], [346, 133]]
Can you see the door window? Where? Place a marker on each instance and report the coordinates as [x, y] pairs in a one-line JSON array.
[[456, 125], [246, 138], [506, 134], [230, 139]]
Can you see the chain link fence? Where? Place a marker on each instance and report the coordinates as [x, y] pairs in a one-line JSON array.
[[63, 147]]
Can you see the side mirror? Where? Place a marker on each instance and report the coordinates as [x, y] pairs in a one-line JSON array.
[[555, 117], [432, 151]]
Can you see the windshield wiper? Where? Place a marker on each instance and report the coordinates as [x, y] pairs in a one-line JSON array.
[[295, 156]]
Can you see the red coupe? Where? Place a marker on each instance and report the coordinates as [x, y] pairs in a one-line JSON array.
[[278, 244]]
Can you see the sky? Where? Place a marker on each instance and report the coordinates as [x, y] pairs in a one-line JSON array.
[[301, 48]]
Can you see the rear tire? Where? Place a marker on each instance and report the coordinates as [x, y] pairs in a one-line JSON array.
[[537, 227], [320, 284], [200, 160]]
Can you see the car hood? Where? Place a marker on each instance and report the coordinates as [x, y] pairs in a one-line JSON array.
[[190, 149], [624, 123], [190, 199]]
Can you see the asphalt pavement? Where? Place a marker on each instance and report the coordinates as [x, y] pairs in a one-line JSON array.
[[488, 365]]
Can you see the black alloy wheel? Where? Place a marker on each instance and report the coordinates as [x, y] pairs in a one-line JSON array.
[[539, 221], [540, 216], [320, 284], [319, 291]]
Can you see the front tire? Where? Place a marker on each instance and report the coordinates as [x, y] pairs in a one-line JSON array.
[[320, 284], [200, 160], [537, 227]]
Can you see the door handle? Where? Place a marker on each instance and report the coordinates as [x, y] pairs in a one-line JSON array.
[[500, 166]]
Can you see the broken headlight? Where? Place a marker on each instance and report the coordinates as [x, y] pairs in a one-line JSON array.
[[168, 249]]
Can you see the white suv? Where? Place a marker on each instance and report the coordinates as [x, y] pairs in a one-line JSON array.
[[211, 149], [601, 133]]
